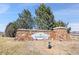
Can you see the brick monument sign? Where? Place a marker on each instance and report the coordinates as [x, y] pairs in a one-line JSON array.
[[58, 33]]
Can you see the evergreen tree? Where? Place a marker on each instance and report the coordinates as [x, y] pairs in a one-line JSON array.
[[11, 30], [44, 17], [25, 20]]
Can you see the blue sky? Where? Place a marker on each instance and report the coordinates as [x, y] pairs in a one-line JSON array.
[[65, 12]]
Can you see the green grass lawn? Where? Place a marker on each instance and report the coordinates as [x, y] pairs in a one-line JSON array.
[[10, 47]]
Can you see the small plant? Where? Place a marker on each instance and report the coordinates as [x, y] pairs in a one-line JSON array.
[[49, 45]]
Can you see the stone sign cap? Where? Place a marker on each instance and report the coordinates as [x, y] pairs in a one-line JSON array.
[[60, 28]]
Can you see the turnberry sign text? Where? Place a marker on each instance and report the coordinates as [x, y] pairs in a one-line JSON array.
[[40, 36]]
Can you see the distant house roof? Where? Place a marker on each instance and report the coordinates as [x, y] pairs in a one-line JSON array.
[[75, 33]]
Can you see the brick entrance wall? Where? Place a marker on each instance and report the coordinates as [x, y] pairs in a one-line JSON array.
[[59, 33]]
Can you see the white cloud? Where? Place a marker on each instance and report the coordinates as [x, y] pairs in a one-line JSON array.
[[74, 26], [68, 12], [2, 27], [4, 8], [70, 15]]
